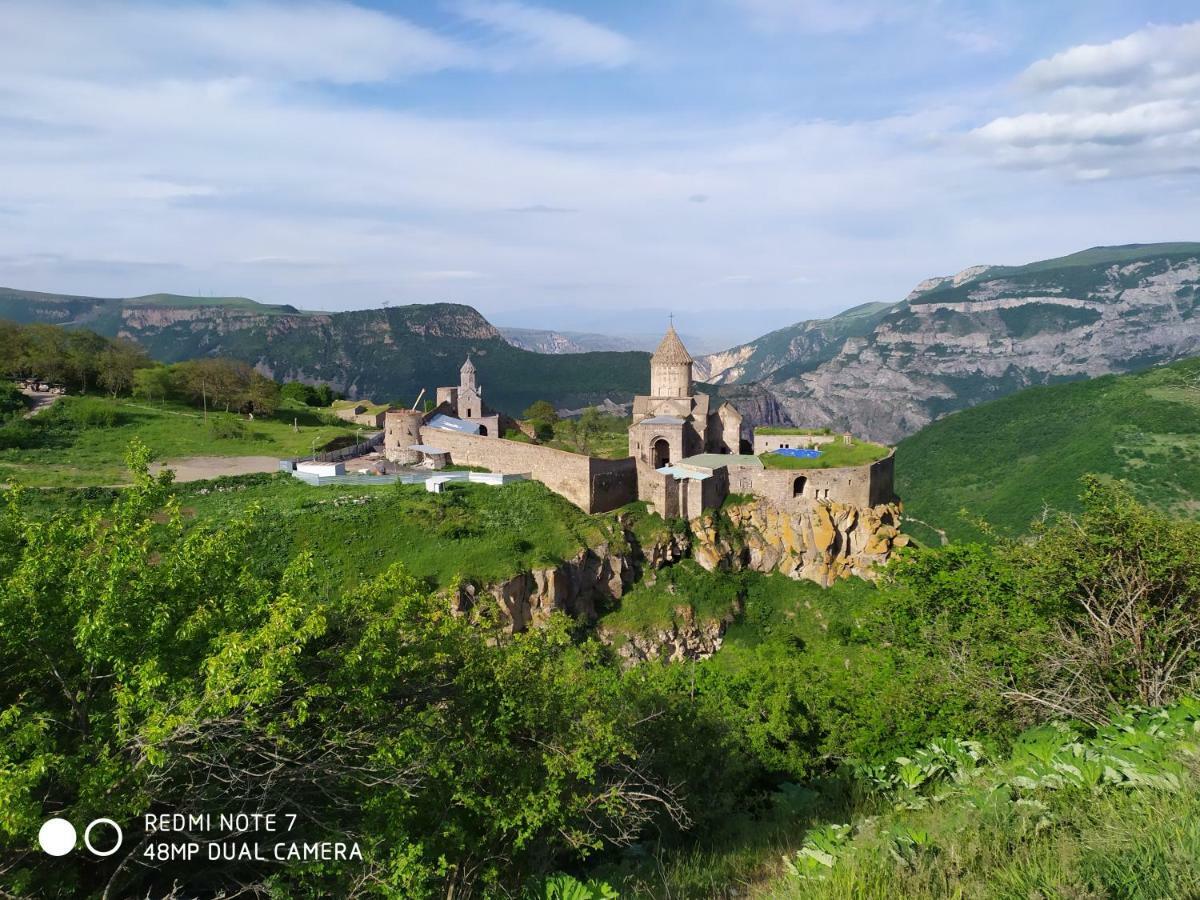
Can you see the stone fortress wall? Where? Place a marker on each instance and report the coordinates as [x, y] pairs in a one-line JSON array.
[[594, 485], [766, 443], [865, 485]]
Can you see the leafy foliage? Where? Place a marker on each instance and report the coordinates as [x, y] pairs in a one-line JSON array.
[[148, 668]]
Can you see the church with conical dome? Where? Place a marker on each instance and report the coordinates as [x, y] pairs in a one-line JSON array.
[[674, 421]]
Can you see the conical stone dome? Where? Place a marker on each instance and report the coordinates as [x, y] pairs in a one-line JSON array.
[[671, 351]]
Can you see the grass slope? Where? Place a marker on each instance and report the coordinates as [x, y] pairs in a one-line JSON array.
[[68, 453], [1006, 460], [833, 455], [476, 532]]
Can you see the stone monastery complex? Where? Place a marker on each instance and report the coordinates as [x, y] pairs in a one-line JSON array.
[[683, 455]]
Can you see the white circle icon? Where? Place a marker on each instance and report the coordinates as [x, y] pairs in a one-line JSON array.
[[57, 837], [87, 836]]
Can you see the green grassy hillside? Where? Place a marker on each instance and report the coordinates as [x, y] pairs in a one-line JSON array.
[[81, 441], [1006, 460]]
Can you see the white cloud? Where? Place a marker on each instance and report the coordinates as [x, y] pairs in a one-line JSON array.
[[1149, 56], [1126, 108], [561, 37]]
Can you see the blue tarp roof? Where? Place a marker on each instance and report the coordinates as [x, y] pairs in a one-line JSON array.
[[449, 423], [662, 420], [798, 453]]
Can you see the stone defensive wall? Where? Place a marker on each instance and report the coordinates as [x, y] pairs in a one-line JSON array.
[[594, 485], [862, 486]]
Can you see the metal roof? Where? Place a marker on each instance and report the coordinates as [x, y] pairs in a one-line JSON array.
[[715, 460], [662, 420], [681, 472], [449, 423], [425, 448]]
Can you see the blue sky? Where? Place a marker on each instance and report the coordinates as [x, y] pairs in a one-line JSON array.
[[744, 163]]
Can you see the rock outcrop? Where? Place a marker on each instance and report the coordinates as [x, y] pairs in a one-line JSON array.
[[685, 638], [818, 541], [574, 586]]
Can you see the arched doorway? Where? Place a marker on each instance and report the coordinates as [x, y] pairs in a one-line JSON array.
[[798, 486], [483, 431], [660, 452]]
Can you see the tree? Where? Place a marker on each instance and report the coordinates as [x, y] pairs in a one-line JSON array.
[[118, 363], [215, 382], [1124, 583], [82, 356], [323, 396], [589, 427], [260, 396], [153, 381], [298, 392], [542, 416]]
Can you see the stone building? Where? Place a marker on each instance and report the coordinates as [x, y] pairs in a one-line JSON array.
[[674, 421], [465, 401]]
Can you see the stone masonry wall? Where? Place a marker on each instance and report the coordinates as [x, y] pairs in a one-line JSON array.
[[594, 485], [862, 486]]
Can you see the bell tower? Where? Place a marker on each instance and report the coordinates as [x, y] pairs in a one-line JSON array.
[[671, 367]]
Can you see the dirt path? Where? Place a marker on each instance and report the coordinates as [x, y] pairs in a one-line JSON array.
[[198, 468], [41, 400]]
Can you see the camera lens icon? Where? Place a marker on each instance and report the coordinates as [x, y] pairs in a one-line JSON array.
[[57, 837]]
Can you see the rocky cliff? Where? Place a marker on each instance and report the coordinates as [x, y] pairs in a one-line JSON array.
[[574, 586], [959, 340], [685, 637], [821, 542]]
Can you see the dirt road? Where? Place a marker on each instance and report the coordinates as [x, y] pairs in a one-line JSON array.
[[198, 468]]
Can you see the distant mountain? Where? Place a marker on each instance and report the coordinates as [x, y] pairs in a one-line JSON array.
[[959, 340], [386, 354], [804, 345], [539, 341], [1004, 461]]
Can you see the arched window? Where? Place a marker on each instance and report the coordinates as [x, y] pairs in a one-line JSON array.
[[798, 486]]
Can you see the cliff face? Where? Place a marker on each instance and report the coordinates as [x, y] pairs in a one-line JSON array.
[[574, 586], [806, 343], [986, 332], [820, 542], [686, 637]]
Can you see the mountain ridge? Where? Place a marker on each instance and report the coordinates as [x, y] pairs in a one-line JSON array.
[[988, 331], [385, 353]]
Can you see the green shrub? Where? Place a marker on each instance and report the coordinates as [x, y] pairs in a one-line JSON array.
[[92, 412], [11, 399], [224, 428]]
